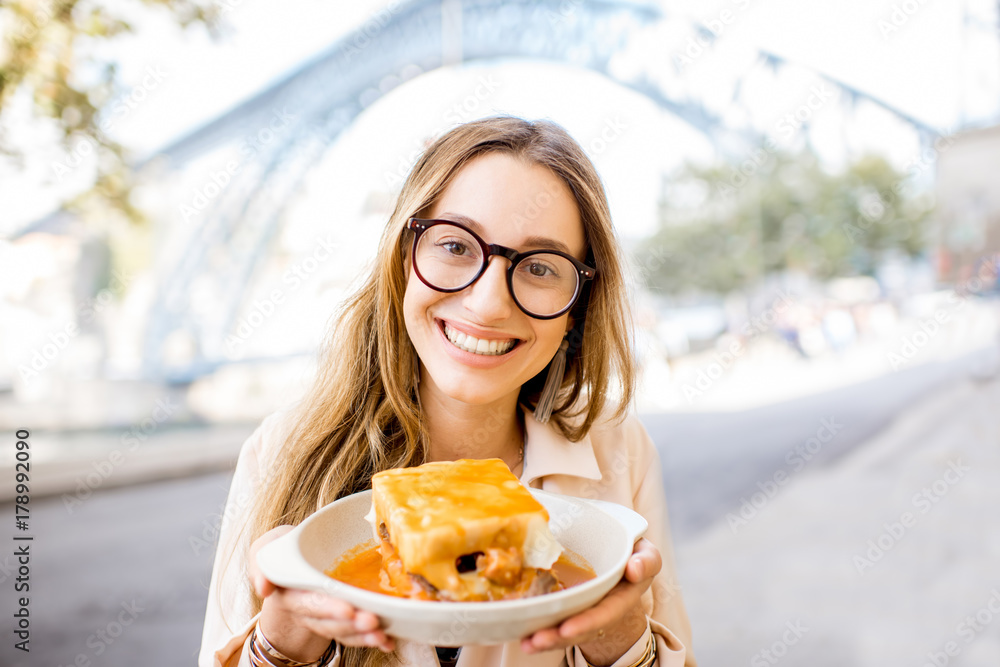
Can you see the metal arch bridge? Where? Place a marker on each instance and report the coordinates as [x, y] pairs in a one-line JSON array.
[[328, 93]]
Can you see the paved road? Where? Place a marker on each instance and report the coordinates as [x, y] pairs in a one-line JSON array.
[[712, 460], [127, 546], [119, 582]]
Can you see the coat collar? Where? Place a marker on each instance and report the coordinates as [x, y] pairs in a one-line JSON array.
[[547, 452]]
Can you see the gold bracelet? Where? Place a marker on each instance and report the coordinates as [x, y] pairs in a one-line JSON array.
[[648, 656], [263, 653]]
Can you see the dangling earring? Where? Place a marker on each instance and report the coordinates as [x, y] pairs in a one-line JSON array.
[[553, 381]]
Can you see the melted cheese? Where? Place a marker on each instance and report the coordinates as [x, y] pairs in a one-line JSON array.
[[439, 511]]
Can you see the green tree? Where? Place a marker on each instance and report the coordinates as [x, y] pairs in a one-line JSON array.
[[726, 226], [42, 47]]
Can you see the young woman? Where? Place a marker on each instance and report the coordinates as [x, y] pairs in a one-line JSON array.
[[494, 323]]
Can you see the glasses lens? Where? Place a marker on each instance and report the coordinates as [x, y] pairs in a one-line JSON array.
[[544, 284], [448, 257]]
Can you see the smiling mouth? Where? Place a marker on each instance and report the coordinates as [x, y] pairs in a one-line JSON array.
[[488, 348]]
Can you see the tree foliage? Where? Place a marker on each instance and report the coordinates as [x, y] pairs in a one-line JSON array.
[[728, 226], [45, 54]]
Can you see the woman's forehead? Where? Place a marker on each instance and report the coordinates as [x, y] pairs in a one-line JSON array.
[[513, 202]]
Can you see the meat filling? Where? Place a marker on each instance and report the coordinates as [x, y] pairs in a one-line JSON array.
[[505, 577]]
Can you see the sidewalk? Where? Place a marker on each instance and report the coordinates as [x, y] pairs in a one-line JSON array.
[[888, 557], [81, 462]]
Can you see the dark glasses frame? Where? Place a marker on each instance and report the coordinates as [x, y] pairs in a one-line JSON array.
[[419, 225]]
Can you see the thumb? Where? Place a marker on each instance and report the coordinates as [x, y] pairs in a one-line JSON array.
[[260, 583], [644, 563]]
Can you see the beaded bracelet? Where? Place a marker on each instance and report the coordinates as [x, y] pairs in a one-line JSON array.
[[263, 654]]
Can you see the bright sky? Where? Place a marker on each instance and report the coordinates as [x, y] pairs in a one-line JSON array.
[[928, 67]]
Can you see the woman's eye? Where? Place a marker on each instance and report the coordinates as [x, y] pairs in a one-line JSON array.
[[539, 270], [454, 247]]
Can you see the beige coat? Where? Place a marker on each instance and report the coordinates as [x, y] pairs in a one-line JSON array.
[[615, 462]]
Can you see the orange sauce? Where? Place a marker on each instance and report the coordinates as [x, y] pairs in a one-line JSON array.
[[362, 567], [571, 569]]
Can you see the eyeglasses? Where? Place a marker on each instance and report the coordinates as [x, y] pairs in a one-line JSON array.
[[448, 257]]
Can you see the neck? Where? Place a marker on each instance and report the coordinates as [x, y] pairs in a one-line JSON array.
[[460, 430]]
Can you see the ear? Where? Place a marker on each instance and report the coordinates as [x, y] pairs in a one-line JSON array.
[[569, 323]]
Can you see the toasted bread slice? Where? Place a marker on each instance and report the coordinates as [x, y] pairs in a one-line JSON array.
[[439, 512]]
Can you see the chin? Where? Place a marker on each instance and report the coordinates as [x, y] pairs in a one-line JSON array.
[[463, 390]]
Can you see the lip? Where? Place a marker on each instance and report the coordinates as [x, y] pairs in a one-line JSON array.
[[475, 360]]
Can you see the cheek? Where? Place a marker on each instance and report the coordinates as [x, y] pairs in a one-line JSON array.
[[550, 335], [411, 306], [416, 300]]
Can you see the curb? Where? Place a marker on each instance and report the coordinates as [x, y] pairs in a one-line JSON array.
[[168, 455]]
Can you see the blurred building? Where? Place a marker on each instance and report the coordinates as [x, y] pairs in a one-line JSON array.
[[968, 165]]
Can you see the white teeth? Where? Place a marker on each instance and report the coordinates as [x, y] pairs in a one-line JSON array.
[[477, 345]]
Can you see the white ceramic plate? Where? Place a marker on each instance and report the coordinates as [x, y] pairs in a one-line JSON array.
[[601, 532]]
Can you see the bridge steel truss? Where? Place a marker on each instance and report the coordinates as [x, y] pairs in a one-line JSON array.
[[325, 96]]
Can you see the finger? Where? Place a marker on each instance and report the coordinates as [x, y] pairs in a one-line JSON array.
[[263, 586], [542, 640], [645, 562], [346, 631], [365, 621], [317, 605], [623, 597], [342, 631], [377, 639], [362, 623]]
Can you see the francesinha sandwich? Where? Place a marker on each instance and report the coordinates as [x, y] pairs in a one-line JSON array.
[[464, 530]]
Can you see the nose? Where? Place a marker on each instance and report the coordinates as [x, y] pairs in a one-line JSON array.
[[489, 297]]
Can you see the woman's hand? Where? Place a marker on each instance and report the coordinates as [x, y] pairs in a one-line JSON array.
[[301, 624], [608, 629]]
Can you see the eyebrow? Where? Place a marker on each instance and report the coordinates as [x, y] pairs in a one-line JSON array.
[[541, 242]]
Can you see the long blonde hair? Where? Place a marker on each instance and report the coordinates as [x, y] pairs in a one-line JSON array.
[[361, 415]]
